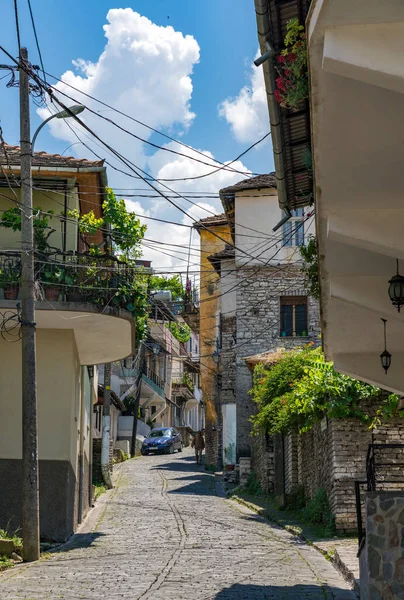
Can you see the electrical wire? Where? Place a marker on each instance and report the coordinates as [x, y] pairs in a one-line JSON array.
[[36, 40], [17, 26], [151, 128]]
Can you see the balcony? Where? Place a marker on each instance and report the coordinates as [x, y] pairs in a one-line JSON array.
[[80, 293], [189, 311], [153, 384], [162, 335]]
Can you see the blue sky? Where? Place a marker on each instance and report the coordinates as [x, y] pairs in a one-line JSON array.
[[224, 30]]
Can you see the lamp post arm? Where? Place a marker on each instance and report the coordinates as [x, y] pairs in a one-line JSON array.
[[38, 130]]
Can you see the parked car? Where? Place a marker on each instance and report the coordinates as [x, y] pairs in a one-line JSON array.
[[163, 439]]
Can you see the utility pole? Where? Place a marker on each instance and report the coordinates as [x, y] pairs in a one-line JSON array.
[[106, 427], [30, 478]]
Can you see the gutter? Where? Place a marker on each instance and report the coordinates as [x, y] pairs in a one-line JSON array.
[[55, 170], [267, 62]]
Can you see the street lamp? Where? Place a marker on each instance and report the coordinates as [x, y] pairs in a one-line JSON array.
[[76, 109], [30, 480]]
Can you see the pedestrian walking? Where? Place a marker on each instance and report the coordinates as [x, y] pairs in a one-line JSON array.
[[199, 444]]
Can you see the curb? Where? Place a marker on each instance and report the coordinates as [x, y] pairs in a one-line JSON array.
[[335, 559]]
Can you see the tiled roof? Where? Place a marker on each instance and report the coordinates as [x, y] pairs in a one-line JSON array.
[[270, 357], [213, 220], [11, 156], [253, 183], [227, 252]]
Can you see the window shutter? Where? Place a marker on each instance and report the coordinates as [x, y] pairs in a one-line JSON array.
[[301, 319], [287, 320]]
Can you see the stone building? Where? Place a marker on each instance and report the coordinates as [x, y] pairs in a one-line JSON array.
[[252, 300], [264, 304], [214, 235]]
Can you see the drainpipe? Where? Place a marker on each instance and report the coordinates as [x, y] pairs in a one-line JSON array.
[[267, 62], [81, 452]]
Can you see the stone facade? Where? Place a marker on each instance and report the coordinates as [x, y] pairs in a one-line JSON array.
[[263, 461], [332, 455], [382, 558], [258, 330]]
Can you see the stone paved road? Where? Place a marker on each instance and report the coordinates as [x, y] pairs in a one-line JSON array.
[[163, 533]]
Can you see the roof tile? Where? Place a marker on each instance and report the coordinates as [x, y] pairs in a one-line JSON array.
[[10, 155]]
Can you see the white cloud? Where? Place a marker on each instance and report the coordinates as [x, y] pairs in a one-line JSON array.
[[247, 113], [145, 70]]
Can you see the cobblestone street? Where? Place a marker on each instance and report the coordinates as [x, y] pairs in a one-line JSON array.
[[163, 533]]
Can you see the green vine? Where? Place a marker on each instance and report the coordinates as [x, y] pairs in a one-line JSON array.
[[302, 387], [181, 331], [310, 267]]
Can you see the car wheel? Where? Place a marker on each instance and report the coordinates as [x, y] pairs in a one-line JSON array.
[[171, 450]]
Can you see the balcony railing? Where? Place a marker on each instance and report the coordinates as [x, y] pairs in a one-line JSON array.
[[100, 280], [148, 375]]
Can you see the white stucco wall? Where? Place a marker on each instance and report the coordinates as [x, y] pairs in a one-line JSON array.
[[259, 211], [58, 397]]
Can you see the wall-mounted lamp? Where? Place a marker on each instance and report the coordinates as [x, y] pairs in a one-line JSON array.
[[385, 356], [396, 290]]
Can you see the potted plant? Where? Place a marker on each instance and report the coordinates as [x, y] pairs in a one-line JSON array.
[[71, 279], [52, 278], [10, 276]]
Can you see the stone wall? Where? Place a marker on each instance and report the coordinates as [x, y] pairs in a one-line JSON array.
[[382, 558], [97, 474], [258, 330], [291, 462], [228, 358], [263, 461], [332, 455]]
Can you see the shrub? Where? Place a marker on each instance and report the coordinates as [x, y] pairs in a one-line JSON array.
[[253, 486]]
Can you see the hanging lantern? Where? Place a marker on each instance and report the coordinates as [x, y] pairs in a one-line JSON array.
[[385, 356], [396, 290]]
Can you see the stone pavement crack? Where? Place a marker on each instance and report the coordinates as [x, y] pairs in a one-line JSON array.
[[163, 534], [181, 528]]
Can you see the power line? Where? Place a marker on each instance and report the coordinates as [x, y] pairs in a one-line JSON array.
[[151, 128], [17, 26], [36, 39]]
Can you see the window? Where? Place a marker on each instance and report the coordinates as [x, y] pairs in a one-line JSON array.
[[294, 316], [293, 230]]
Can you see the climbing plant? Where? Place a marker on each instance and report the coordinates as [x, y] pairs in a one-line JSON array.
[[302, 387], [181, 331], [310, 267], [173, 284]]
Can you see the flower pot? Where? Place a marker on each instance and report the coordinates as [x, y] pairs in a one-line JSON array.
[[52, 293], [11, 291]]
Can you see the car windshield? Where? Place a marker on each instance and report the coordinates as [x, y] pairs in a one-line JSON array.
[[156, 433]]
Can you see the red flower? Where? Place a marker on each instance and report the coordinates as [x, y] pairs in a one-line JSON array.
[[278, 96], [287, 72], [283, 401], [280, 84], [281, 59], [292, 57]]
